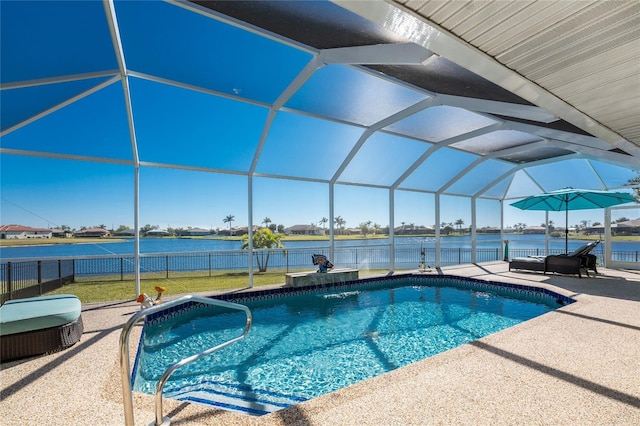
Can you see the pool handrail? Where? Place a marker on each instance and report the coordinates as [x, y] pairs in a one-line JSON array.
[[125, 365]]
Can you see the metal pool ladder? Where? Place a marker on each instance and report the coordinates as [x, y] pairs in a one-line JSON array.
[[125, 365]]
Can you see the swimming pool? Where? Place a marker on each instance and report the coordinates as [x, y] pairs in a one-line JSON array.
[[306, 342]]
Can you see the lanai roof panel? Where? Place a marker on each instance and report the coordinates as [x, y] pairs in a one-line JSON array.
[[481, 176], [169, 42], [179, 126], [438, 169], [438, 123], [49, 39], [343, 93], [306, 147], [383, 159], [94, 126], [21, 104], [576, 173], [495, 141]]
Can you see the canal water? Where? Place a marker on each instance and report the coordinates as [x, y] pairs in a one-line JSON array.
[[183, 245]]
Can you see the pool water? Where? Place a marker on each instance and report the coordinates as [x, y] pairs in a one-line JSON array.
[[303, 346]]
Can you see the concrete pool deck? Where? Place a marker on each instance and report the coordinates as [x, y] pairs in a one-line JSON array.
[[579, 365]]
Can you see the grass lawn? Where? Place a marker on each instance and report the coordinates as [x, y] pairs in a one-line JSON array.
[[91, 291], [109, 290]]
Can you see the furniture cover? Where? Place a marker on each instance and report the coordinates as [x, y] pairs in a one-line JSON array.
[[39, 325]]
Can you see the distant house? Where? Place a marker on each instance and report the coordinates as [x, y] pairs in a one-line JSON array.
[[534, 230], [21, 232], [413, 230], [628, 227], [92, 232], [243, 230], [61, 233], [197, 232], [489, 230], [304, 230], [125, 233], [157, 233]]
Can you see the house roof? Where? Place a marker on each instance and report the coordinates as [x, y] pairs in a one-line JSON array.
[[198, 230], [92, 230], [303, 228], [629, 223], [22, 228]]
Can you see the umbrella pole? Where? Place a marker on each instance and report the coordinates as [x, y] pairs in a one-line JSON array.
[[566, 227]]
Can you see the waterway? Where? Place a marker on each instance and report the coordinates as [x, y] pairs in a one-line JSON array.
[[183, 245]]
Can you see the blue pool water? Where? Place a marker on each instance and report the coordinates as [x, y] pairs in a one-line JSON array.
[[305, 345]]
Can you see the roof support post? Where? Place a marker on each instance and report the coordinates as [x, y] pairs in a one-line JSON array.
[[392, 237], [502, 240], [250, 228], [437, 206], [331, 219], [546, 232], [136, 225], [474, 243], [607, 237]]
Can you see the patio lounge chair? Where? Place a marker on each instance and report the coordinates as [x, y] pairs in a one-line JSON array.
[[571, 263], [566, 263], [39, 325]]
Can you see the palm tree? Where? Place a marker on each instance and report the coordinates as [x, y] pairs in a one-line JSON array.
[[634, 184], [266, 222], [263, 239], [520, 226], [323, 222], [340, 222], [230, 218], [459, 223]]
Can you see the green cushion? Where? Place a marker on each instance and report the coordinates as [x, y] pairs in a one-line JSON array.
[[37, 313]]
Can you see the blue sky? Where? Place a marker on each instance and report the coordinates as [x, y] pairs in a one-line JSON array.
[[42, 192]]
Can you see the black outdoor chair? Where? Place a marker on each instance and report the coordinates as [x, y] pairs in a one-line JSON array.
[[571, 263]]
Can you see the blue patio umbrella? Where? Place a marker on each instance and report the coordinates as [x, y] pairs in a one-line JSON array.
[[573, 199]]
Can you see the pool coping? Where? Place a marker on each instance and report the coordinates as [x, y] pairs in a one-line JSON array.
[[442, 280]]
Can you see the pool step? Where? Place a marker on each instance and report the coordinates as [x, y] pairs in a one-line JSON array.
[[241, 399]]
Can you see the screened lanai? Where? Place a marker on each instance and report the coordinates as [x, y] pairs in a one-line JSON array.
[[424, 111]]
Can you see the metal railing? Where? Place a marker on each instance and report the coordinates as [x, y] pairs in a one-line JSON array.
[[125, 365], [29, 277], [33, 278]]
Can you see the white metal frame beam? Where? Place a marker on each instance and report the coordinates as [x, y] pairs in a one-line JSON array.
[[122, 64]]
